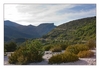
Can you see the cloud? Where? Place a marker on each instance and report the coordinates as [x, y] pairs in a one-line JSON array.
[[45, 13]]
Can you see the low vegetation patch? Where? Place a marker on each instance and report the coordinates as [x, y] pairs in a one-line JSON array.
[[77, 48], [62, 58], [30, 53], [85, 54], [47, 48], [63, 46], [56, 49], [91, 44], [10, 47]]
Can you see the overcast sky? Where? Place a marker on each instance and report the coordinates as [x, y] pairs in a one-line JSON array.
[[35, 14]]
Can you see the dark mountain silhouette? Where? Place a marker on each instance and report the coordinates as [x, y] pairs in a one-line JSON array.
[[10, 23], [13, 30]]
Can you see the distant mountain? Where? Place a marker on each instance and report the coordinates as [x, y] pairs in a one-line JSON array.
[[13, 30], [75, 31], [10, 23]]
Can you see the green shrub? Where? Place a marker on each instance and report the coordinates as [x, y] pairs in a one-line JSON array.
[[63, 46], [85, 54], [64, 57], [26, 54], [91, 44], [13, 58], [10, 47], [55, 59], [69, 57], [22, 60], [16, 57], [77, 48], [47, 48], [56, 49]]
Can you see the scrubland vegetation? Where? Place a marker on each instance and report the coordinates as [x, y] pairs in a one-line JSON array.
[[62, 58], [33, 51], [76, 38], [85, 54]]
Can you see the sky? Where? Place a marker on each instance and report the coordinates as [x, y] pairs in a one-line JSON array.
[[35, 14]]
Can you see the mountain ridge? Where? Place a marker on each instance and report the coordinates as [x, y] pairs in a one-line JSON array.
[[11, 23], [13, 30]]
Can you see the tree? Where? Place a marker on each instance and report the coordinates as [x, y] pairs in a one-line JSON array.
[[10, 47]]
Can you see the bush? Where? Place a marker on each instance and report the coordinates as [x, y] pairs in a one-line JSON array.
[[91, 44], [69, 57], [63, 46], [55, 46], [10, 47], [47, 48], [64, 57], [77, 48], [26, 54], [85, 54], [55, 59], [56, 49], [13, 58]]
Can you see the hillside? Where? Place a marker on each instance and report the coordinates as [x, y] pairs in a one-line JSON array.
[[13, 30], [44, 28], [75, 31]]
